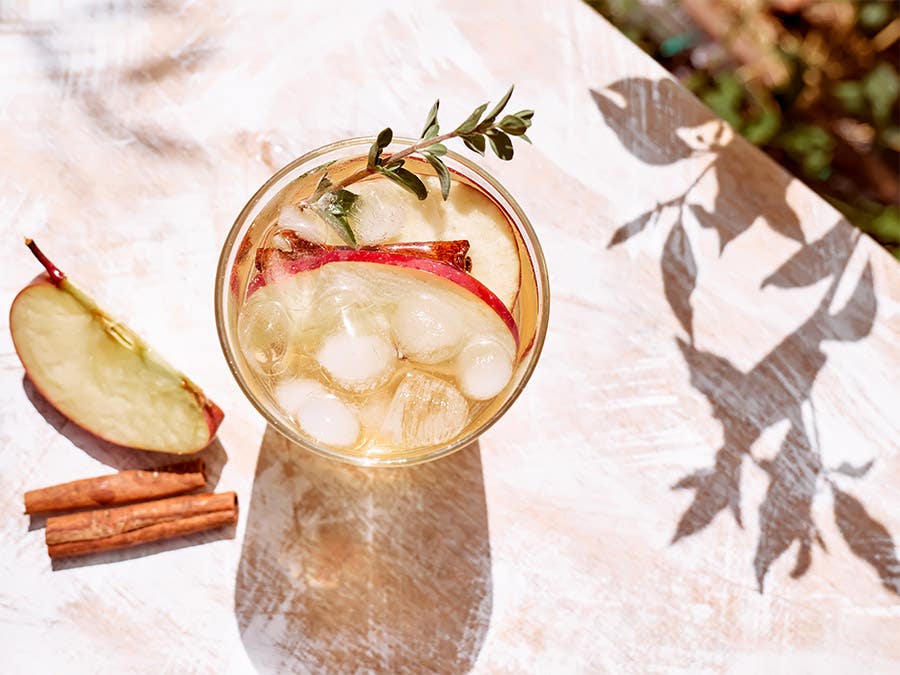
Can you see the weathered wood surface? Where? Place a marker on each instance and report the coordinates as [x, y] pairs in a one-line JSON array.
[[714, 327]]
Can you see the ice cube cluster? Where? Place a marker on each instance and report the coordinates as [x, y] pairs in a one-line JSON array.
[[358, 352]]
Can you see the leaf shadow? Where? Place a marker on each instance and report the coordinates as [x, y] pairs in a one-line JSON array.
[[867, 538], [364, 569], [649, 118]]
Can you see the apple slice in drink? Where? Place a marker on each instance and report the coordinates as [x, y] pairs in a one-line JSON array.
[[437, 313], [101, 375], [468, 214], [388, 276]]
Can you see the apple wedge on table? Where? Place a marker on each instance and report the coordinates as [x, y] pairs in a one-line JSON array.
[[101, 375]]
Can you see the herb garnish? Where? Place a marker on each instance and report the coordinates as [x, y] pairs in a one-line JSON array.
[[333, 203]]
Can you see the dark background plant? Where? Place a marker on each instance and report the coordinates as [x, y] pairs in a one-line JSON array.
[[814, 83]]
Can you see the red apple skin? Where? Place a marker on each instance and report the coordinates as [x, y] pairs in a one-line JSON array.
[[211, 412], [443, 270], [214, 416]]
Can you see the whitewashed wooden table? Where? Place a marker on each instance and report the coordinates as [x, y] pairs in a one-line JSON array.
[[714, 327]]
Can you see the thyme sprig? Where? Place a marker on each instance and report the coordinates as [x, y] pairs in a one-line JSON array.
[[334, 203]]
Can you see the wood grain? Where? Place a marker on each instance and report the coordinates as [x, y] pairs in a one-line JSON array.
[[714, 326]]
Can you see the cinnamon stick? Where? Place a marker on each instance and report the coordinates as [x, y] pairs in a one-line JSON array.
[[107, 529], [453, 252], [118, 488]]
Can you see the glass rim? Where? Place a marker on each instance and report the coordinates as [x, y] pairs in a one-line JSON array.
[[534, 251]]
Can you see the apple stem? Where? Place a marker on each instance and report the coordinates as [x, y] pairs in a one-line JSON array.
[[56, 275]]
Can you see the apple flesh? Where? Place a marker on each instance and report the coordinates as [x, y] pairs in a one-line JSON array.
[[101, 375], [364, 323], [468, 214], [388, 273]]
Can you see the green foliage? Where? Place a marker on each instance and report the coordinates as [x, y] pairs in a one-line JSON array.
[[476, 132], [752, 112], [335, 210], [881, 87], [886, 225], [874, 15], [383, 140], [811, 146], [725, 96], [335, 204], [835, 119], [405, 179]]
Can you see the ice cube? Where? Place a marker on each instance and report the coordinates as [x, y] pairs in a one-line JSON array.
[[263, 331], [425, 410], [305, 223], [357, 362], [343, 298], [376, 217], [373, 409], [483, 368], [319, 412], [425, 329]]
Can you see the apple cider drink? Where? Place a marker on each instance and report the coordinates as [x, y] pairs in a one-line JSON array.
[[398, 344], [384, 302]]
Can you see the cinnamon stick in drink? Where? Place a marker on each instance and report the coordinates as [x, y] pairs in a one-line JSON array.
[[106, 529], [453, 251], [118, 488]]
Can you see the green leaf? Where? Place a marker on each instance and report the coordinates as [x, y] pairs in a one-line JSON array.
[[472, 120], [851, 96], [475, 143], [442, 172], [886, 225], [394, 164], [384, 138], [514, 125], [525, 138], [339, 223], [321, 187], [438, 149], [497, 109], [811, 146], [431, 131], [726, 98], [431, 121], [501, 144], [344, 200], [381, 142], [874, 15], [763, 129], [882, 87], [407, 180], [525, 115]]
